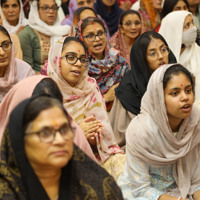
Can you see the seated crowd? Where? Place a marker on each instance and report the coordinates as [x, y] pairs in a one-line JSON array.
[[100, 99]]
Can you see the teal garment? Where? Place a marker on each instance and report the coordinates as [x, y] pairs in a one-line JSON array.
[[30, 46]]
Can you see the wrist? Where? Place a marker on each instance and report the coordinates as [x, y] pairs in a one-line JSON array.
[[180, 198]]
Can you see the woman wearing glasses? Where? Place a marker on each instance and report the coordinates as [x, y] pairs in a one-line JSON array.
[[68, 65], [149, 52], [61, 171], [12, 14], [129, 30], [183, 42], [12, 69], [43, 30], [107, 66]]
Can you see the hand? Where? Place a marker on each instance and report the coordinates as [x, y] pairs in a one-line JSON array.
[[110, 95], [91, 127]]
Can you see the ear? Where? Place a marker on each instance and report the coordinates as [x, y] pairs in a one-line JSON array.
[[121, 29]]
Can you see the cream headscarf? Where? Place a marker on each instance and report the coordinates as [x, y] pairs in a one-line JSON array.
[[150, 138], [36, 23], [22, 20], [82, 101], [172, 29]]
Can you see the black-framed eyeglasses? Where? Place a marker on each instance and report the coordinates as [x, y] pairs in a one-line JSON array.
[[72, 59], [154, 53], [6, 45], [82, 3], [48, 134], [46, 8], [92, 37]]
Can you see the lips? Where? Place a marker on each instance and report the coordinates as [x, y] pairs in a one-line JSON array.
[[186, 108], [162, 63], [98, 46], [60, 153], [76, 72]]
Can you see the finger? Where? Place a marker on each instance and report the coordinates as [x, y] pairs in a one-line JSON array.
[[90, 118]]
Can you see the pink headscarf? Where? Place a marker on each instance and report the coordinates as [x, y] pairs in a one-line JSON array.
[[16, 71], [23, 90]]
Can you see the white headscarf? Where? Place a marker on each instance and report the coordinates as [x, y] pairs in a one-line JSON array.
[[22, 20], [172, 30], [36, 23]]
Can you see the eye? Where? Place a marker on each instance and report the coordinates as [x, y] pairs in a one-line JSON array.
[[100, 33], [84, 60], [91, 35], [54, 7], [89, 1], [152, 53], [188, 91], [71, 57], [128, 23], [81, 3], [46, 7], [174, 93], [164, 49], [64, 129], [14, 5], [46, 132], [5, 6], [5, 44]]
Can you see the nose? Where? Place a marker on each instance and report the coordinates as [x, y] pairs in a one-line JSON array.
[[160, 56], [78, 62], [2, 52], [97, 38], [58, 138], [184, 96]]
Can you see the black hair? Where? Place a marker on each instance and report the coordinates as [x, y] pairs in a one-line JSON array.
[[176, 70], [78, 12], [74, 39], [4, 1], [39, 104], [4, 31], [90, 20], [169, 6], [38, 1], [146, 38], [127, 12], [49, 87]]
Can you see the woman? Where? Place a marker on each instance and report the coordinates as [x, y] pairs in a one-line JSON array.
[[174, 5], [43, 30], [129, 30], [110, 12], [183, 42], [149, 52], [12, 69], [107, 66], [36, 86], [13, 15], [163, 141], [61, 171], [68, 66], [150, 13]]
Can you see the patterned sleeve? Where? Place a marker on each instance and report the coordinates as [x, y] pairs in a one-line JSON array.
[[136, 181]]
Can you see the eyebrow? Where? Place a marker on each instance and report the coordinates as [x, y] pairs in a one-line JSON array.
[[176, 88], [159, 47], [93, 31], [73, 53]]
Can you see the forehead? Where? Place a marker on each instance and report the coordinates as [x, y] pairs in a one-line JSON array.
[[11, 2], [87, 13], [93, 26], [155, 43], [3, 37], [75, 47], [46, 2], [178, 80], [180, 2], [131, 17]]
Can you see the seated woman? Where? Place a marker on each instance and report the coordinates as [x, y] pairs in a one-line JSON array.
[[129, 30], [182, 42], [12, 69], [43, 30], [68, 65], [84, 12], [149, 52], [61, 171], [163, 143], [110, 12], [12, 14], [170, 6], [35, 86], [107, 66]]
